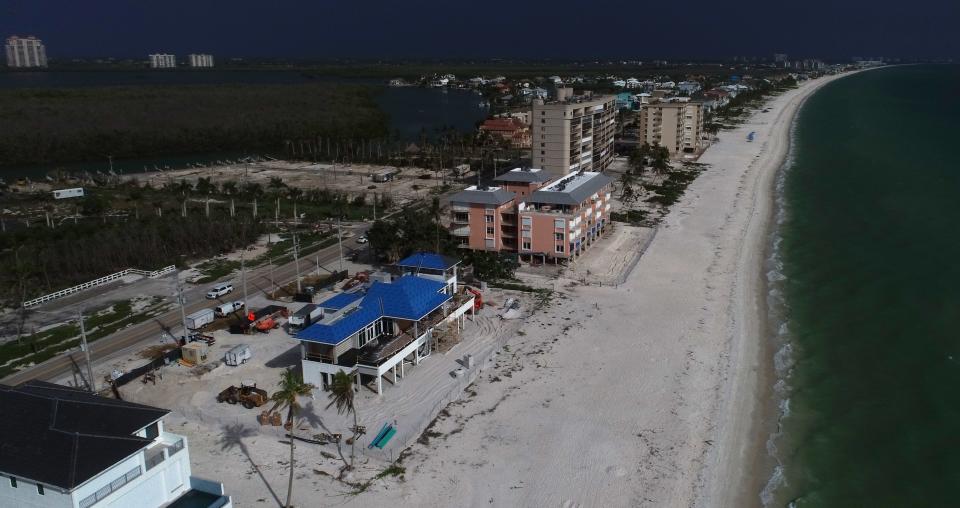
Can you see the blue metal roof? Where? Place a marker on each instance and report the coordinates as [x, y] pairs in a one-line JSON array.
[[428, 260], [339, 301], [408, 297]]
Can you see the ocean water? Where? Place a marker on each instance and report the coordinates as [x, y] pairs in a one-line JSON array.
[[865, 295]]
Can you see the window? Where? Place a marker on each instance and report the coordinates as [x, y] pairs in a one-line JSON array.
[[543, 113], [558, 223], [558, 237], [527, 221], [527, 245], [491, 244], [542, 152], [488, 219], [13, 482], [39, 489], [490, 231], [543, 144], [560, 248], [542, 120]]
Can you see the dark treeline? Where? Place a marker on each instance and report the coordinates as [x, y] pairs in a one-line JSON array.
[[39, 260], [60, 125]]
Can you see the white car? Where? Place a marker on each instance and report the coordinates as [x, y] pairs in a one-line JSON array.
[[219, 290], [362, 239]]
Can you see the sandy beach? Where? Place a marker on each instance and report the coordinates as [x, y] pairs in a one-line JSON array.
[[652, 393], [644, 381]]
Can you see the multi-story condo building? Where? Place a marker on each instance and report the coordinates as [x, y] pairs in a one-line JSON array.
[[533, 216], [378, 329], [573, 133], [65, 447], [163, 61], [25, 52], [200, 60], [676, 125]]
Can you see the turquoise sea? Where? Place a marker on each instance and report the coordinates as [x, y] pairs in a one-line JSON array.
[[865, 295]]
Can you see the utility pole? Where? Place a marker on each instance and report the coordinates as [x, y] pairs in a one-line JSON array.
[[243, 275], [340, 243], [296, 260], [181, 301], [86, 351]]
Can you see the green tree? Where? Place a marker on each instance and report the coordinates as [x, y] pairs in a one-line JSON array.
[[491, 265], [341, 396], [291, 389]]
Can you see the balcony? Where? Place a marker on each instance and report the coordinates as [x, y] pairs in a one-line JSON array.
[[384, 347], [461, 231], [168, 446], [110, 488]]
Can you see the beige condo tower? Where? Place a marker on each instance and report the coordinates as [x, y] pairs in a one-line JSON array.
[[573, 132]]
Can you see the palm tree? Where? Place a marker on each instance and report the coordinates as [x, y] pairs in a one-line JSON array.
[[291, 388], [341, 395]]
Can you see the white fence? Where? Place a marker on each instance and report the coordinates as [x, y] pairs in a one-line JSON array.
[[99, 282]]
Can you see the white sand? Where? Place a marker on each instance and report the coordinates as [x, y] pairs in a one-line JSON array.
[[646, 394]]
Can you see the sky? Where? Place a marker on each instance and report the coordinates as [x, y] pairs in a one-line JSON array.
[[585, 29]]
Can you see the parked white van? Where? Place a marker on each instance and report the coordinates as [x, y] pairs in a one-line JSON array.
[[219, 290], [225, 309]]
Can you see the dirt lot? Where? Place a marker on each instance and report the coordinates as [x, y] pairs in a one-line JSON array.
[[408, 185]]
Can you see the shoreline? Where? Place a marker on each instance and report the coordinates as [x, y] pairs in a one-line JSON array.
[[762, 419], [648, 393]]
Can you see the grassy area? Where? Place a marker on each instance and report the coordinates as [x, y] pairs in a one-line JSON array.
[[672, 187], [41, 346], [215, 269], [633, 217]]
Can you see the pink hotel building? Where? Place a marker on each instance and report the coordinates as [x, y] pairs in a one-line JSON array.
[[533, 214]]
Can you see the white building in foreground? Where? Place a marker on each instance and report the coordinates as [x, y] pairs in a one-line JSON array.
[[62, 447]]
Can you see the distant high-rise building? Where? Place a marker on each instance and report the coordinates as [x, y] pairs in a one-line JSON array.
[[201, 60], [25, 52], [163, 61], [573, 132]]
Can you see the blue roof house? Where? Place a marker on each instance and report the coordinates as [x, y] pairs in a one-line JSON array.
[[370, 333], [431, 266]]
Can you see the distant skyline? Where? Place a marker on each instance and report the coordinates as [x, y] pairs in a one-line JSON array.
[[433, 29]]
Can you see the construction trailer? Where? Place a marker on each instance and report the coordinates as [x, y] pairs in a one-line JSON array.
[[194, 352], [200, 319], [68, 193]]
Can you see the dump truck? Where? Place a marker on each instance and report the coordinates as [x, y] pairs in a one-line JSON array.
[[306, 316], [247, 395]]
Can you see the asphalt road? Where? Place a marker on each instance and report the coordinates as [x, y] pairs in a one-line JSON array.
[[258, 282]]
